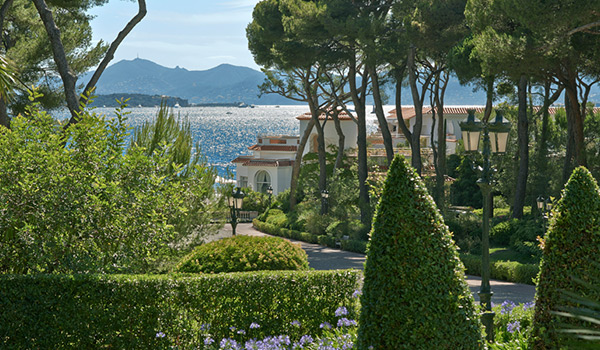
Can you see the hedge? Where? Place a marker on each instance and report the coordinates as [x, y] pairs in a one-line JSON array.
[[128, 311], [244, 253], [351, 245], [511, 271]]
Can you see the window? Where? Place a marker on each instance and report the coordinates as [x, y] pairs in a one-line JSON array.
[[243, 181], [263, 181]]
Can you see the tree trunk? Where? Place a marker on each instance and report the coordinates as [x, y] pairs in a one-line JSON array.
[[4, 118], [358, 98], [440, 161], [569, 153], [416, 132], [67, 75], [298, 163], [523, 142], [383, 125], [405, 129], [341, 141]]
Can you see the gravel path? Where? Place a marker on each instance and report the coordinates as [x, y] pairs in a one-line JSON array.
[[325, 258]]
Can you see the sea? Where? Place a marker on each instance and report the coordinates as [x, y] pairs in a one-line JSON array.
[[224, 133]]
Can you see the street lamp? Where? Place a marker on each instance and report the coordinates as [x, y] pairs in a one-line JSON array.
[[235, 204], [270, 192], [495, 137], [545, 206], [324, 198]]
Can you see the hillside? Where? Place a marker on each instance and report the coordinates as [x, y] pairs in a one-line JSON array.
[[222, 84]]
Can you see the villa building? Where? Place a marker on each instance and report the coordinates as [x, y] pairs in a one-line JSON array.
[[273, 157]]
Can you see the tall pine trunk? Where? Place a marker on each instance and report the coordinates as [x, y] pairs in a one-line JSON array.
[[523, 142]]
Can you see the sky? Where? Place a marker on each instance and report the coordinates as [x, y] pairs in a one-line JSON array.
[[191, 34]]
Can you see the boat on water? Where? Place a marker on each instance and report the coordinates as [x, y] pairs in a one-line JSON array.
[[176, 105]]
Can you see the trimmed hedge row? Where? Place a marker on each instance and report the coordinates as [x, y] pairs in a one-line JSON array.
[[511, 271], [350, 245], [128, 311]]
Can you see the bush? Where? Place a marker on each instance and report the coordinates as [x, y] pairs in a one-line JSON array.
[[571, 244], [245, 253], [501, 233], [414, 294], [511, 271], [466, 231], [78, 200], [276, 217], [127, 311]]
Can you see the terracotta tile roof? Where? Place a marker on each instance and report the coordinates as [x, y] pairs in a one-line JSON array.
[[308, 115], [280, 148], [409, 112], [248, 161]]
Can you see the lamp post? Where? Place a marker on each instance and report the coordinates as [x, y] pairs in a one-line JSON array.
[[545, 206], [324, 198], [235, 204], [270, 192], [495, 137]]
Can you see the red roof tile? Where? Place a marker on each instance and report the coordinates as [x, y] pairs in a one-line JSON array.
[[280, 148], [264, 162]]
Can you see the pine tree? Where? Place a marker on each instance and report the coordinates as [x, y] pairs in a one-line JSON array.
[[414, 295]]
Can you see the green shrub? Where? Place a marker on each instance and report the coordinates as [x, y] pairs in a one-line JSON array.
[[414, 294], [327, 241], [353, 245], [276, 217], [571, 244], [127, 311], [466, 231], [511, 271], [244, 253], [254, 201], [80, 200], [501, 233]]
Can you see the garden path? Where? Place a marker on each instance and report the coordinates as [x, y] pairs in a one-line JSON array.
[[325, 258]]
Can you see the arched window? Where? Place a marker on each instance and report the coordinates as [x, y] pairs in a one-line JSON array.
[[263, 181]]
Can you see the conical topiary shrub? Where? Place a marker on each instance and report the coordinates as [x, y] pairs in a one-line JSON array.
[[571, 244], [415, 295]]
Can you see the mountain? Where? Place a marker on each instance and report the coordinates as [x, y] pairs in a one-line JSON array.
[[223, 84]]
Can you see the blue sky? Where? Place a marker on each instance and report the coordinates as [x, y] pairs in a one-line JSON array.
[[192, 34]]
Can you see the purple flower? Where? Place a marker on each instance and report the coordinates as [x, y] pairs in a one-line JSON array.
[[232, 328], [344, 322], [325, 325], [507, 307], [528, 305], [204, 326], [208, 341], [241, 331], [254, 325], [341, 311], [513, 327], [160, 335], [295, 323], [356, 293]]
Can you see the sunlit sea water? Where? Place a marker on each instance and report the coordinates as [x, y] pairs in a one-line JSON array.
[[226, 132]]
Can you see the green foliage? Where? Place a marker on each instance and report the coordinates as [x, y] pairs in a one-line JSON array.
[[512, 326], [501, 234], [414, 294], [464, 191], [244, 253], [511, 271], [75, 200], [466, 231], [27, 43], [276, 217], [255, 201], [571, 244], [127, 311]]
